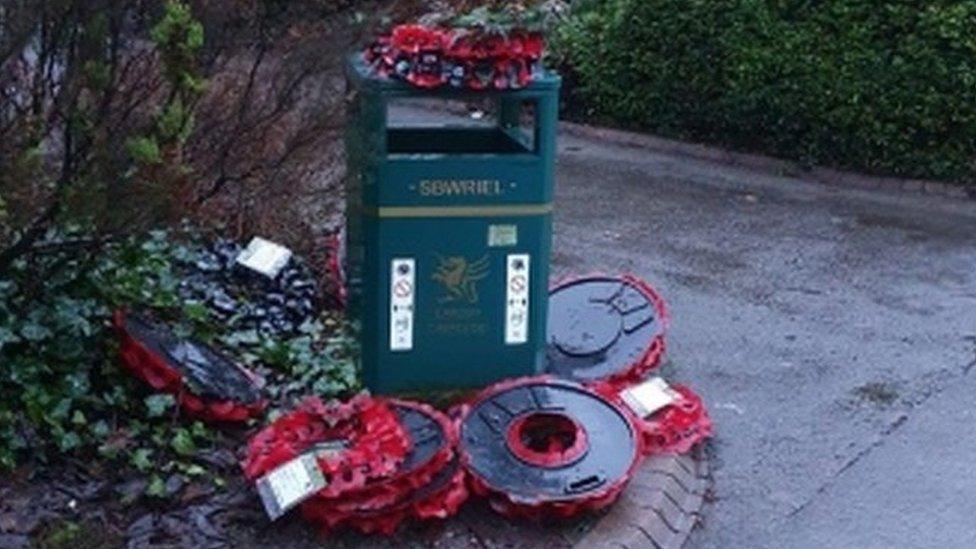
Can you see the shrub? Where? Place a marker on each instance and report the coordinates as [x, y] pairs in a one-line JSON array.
[[120, 117], [61, 389], [880, 86]]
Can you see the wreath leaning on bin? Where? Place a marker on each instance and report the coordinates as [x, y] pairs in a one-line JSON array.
[[487, 48]]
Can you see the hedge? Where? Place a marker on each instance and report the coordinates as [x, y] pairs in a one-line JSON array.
[[879, 86]]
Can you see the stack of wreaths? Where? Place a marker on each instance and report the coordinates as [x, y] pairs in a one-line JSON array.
[[476, 46], [382, 461], [430, 57]]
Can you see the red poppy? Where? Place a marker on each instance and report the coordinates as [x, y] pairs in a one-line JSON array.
[[375, 443], [415, 38], [533, 45], [496, 46], [500, 76], [459, 48], [430, 57]]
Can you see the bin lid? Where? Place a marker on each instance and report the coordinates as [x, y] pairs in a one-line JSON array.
[[604, 328]]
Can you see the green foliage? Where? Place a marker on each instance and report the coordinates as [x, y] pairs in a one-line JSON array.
[[178, 37], [495, 17], [175, 122], [63, 129], [318, 362], [182, 443], [501, 18], [159, 405], [62, 392], [141, 272], [156, 488], [69, 534], [880, 86], [98, 74], [144, 150], [62, 534], [177, 33], [61, 389]]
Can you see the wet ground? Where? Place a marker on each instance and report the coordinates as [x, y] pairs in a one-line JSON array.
[[832, 332]]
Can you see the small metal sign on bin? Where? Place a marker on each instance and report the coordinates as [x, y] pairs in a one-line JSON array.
[[449, 232]]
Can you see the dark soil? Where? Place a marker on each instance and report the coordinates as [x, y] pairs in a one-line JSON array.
[[70, 505]]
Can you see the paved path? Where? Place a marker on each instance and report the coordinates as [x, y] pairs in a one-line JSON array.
[[832, 332]]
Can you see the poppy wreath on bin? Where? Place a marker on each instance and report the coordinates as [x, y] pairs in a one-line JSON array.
[[430, 57], [353, 441], [205, 383]]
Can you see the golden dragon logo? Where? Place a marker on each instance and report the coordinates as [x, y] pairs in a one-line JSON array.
[[460, 277]]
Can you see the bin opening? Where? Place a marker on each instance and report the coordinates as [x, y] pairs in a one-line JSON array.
[[453, 140], [432, 126]]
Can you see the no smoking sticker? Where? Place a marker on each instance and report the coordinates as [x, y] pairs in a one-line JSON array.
[[402, 282], [402, 288], [518, 283], [517, 299]]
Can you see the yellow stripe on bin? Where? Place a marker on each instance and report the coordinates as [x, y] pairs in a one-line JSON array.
[[510, 210]]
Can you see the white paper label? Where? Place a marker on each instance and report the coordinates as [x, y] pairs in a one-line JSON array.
[[402, 291], [265, 257], [290, 484], [650, 396], [517, 299]]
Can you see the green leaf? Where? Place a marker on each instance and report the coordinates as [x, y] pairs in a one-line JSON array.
[[201, 431], [183, 443], [142, 459], [35, 332], [60, 411], [156, 488], [159, 404], [79, 418], [196, 312], [194, 470], [144, 150], [175, 122], [68, 441], [100, 428]]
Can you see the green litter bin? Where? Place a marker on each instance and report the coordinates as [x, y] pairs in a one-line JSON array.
[[449, 228]]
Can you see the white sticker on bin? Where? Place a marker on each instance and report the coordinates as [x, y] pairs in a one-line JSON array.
[[502, 235], [517, 299], [290, 484], [650, 396], [402, 292]]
